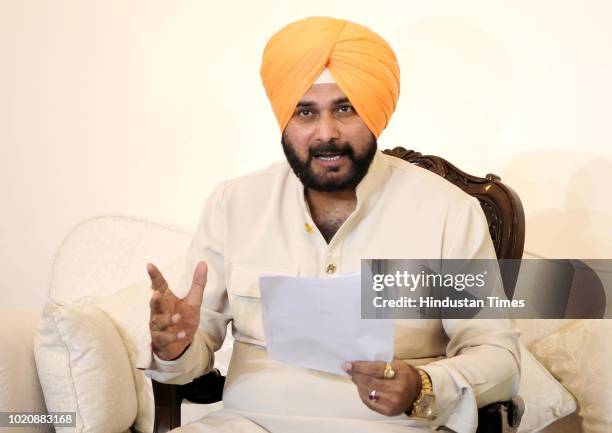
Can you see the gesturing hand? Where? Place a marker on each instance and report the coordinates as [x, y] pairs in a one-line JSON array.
[[392, 396], [174, 321]]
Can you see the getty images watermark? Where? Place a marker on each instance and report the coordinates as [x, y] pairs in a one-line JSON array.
[[433, 289]]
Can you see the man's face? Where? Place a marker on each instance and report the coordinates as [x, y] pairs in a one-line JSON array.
[[326, 143]]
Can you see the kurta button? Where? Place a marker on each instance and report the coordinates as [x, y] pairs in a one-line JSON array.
[[331, 268], [308, 227]]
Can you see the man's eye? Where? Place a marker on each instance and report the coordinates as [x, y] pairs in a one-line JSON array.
[[304, 113], [345, 109]]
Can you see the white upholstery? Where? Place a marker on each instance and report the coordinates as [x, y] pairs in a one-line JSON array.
[[579, 356], [129, 310], [545, 399], [83, 367], [103, 254], [106, 257], [20, 390], [532, 330]]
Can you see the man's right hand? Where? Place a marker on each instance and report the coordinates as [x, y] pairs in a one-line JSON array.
[[174, 321]]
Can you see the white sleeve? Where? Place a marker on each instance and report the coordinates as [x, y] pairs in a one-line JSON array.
[[207, 245], [482, 363]]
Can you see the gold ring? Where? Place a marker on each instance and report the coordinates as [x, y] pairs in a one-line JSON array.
[[389, 373]]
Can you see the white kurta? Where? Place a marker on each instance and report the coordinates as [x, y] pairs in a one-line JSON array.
[[257, 224]]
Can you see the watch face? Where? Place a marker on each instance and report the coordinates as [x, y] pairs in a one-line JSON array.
[[426, 407], [427, 400]]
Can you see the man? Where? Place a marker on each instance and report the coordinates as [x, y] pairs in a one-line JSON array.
[[333, 86]]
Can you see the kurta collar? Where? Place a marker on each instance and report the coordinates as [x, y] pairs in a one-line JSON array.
[[373, 180]]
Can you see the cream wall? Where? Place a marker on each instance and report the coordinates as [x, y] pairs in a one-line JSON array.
[[140, 107]]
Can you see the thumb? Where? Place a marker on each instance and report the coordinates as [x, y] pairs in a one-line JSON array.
[[196, 293]]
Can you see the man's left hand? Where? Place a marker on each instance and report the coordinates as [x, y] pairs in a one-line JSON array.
[[395, 396]]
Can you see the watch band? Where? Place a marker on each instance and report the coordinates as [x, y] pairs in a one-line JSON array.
[[424, 405]]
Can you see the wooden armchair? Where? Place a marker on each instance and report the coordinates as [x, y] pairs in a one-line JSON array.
[[504, 212]]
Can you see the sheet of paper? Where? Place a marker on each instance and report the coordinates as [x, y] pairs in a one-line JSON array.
[[316, 323]]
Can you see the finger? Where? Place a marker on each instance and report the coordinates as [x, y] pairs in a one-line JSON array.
[[196, 293], [156, 303], [161, 339], [371, 368], [160, 322], [363, 395], [382, 405], [370, 382], [158, 282]]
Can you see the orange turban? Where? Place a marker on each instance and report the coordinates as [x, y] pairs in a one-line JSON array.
[[360, 61]]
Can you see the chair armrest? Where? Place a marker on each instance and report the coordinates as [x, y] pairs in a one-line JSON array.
[[501, 417], [204, 390], [167, 407]]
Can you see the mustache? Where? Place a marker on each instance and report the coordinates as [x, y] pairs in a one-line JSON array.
[[330, 147]]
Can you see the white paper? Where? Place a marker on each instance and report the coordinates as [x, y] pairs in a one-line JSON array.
[[316, 323]]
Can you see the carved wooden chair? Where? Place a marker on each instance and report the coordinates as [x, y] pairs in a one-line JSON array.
[[504, 212]]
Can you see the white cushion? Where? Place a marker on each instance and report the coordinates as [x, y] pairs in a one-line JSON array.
[[546, 400], [83, 366], [129, 310], [579, 356], [534, 329]]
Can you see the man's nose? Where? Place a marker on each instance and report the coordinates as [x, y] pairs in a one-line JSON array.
[[327, 128]]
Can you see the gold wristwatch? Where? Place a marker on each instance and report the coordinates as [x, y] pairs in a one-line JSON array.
[[424, 407]]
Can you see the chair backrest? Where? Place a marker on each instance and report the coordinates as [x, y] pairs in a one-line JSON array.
[[103, 254], [501, 205]]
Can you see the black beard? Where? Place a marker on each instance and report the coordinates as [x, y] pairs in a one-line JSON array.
[[359, 168]]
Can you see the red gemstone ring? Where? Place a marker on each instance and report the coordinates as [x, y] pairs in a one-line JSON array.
[[373, 395]]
